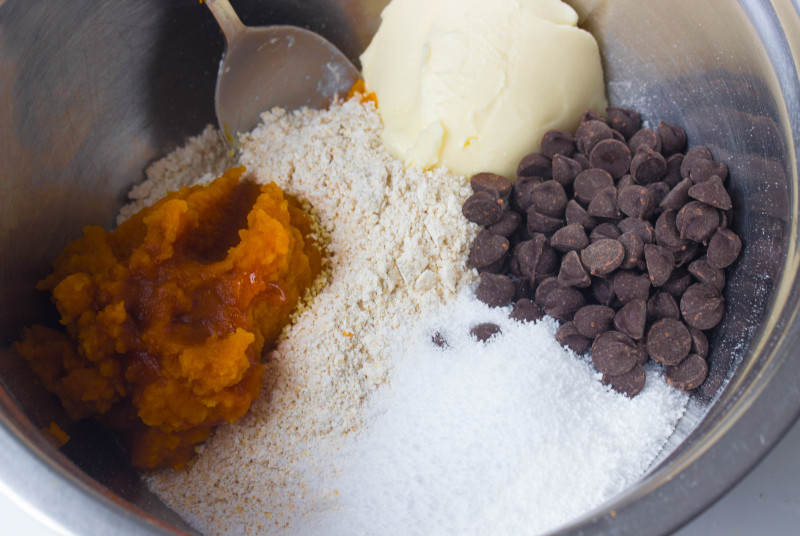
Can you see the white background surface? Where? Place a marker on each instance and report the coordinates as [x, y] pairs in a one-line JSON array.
[[766, 502]]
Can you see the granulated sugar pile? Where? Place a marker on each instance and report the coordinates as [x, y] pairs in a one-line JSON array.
[[364, 426]]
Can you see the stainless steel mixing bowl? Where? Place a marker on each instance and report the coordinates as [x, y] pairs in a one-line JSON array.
[[91, 91]]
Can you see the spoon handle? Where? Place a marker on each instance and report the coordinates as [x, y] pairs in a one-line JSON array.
[[227, 19]]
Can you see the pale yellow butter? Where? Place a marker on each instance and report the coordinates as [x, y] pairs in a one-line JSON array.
[[472, 85]]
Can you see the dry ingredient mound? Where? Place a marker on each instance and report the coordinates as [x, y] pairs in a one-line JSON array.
[[398, 246]]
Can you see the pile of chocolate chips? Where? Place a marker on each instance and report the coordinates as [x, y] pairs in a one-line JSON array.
[[618, 234]]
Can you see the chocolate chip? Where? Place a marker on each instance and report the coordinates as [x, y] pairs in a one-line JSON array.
[[697, 221], [629, 383], [485, 331], [702, 306], [604, 204], [660, 262], [630, 285], [506, 225], [603, 290], [576, 214], [603, 257], [645, 138], [677, 283], [663, 305], [562, 302], [592, 320], [712, 192], [612, 156], [647, 166], [686, 253], [482, 182], [658, 191], [484, 207], [635, 201], [526, 311], [522, 288], [568, 336], [666, 231], [641, 228], [549, 199], [705, 273], [723, 248], [557, 142], [590, 133], [605, 231], [535, 256], [703, 169], [582, 159], [668, 341], [631, 318], [542, 223], [488, 252], [694, 154], [699, 342], [572, 273], [495, 290], [677, 197], [591, 115], [626, 122], [614, 353], [546, 287], [438, 340], [673, 174], [565, 170], [535, 165], [589, 182], [522, 193], [689, 374], [673, 139], [571, 237], [634, 249], [625, 181]]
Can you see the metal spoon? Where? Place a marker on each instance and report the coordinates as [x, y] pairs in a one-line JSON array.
[[268, 66]]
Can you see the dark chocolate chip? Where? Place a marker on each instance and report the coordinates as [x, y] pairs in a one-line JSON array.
[[604, 204], [677, 197], [603, 290], [590, 133], [677, 284], [705, 273], [666, 231], [522, 193], [647, 166], [535, 165], [614, 353], [712, 192], [658, 191], [703, 169], [635, 201], [634, 249], [576, 214], [522, 289], [612, 156], [582, 159], [572, 273], [488, 252], [603, 257], [625, 181], [535, 256], [668, 341], [562, 302], [629, 383], [663, 305], [506, 225], [571, 237], [589, 182], [686, 253], [673, 174], [673, 139], [592, 320], [605, 231], [702, 306], [641, 228], [699, 342], [526, 311], [565, 170], [630, 285], [626, 122], [544, 288], [645, 138], [723, 248], [484, 207], [689, 374], [542, 223], [438, 340], [631, 318], [557, 142], [591, 115], [694, 154], [660, 263], [549, 199], [697, 221], [568, 336], [482, 182], [485, 331], [495, 290]]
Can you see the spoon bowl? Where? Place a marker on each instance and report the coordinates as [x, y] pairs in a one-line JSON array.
[[273, 66]]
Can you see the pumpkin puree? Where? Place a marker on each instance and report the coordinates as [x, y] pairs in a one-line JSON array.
[[168, 315]]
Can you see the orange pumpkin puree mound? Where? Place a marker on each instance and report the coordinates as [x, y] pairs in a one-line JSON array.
[[168, 315]]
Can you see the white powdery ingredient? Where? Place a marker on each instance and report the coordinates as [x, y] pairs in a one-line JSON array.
[[513, 436], [398, 246]]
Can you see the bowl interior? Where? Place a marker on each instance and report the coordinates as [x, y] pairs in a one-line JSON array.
[[96, 91]]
